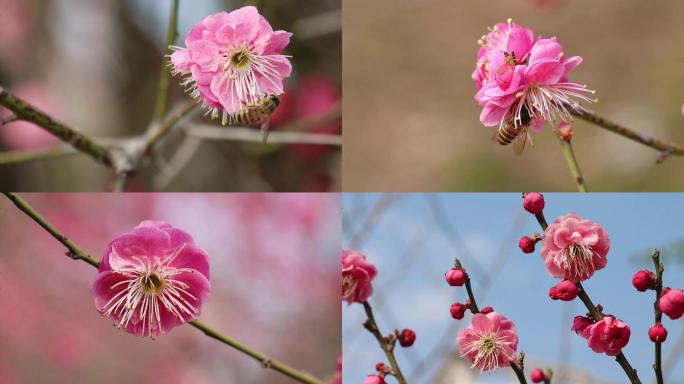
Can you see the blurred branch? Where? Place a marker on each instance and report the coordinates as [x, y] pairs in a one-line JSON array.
[[178, 162], [655, 255], [569, 154], [165, 72], [318, 25], [16, 157], [76, 253], [26, 112], [387, 344], [666, 149], [157, 132], [251, 135]]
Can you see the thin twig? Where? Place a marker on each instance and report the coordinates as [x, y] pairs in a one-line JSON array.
[[75, 252], [16, 157], [252, 135], [597, 315], [664, 147], [165, 71], [569, 154], [78, 140], [387, 345], [157, 132], [178, 162], [655, 255]]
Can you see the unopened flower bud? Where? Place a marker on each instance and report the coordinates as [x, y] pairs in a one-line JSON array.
[[526, 244], [552, 293], [455, 277], [657, 333], [381, 367], [565, 131], [537, 376], [486, 310], [566, 290], [643, 280], [458, 310], [406, 338], [533, 202], [672, 303]]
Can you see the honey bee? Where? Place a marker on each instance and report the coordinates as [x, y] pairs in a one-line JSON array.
[[517, 133], [256, 112]]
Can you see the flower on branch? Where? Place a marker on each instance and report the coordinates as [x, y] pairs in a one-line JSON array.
[[357, 277], [609, 335], [574, 248], [522, 80], [490, 342], [152, 279], [231, 60]]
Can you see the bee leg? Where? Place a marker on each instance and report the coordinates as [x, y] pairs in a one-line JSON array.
[[265, 131]]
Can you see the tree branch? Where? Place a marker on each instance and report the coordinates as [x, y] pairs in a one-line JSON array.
[[386, 345], [75, 252], [26, 112], [655, 255], [16, 157], [664, 147], [569, 154], [165, 71]]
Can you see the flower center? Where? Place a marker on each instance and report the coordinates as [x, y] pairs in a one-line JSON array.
[[240, 59], [488, 351], [578, 256], [153, 282]]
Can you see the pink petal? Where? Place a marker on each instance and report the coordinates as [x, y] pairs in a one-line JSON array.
[[544, 72]]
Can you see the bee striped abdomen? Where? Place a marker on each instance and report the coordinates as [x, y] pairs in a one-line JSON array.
[[255, 113], [507, 134]]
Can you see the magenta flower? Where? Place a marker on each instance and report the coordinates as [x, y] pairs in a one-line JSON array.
[[152, 279], [607, 336], [573, 248], [231, 59], [519, 77], [489, 342], [357, 277]]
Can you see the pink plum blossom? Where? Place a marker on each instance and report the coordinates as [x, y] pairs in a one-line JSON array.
[[357, 277], [232, 59], [152, 279], [518, 76], [574, 248], [490, 342], [609, 335]]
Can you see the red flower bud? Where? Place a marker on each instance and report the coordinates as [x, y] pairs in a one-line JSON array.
[[458, 310], [643, 280], [455, 277], [486, 310], [381, 367], [406, 338], [657, 333], [566, 290], [537, 376], [552, 293], [533, 202], [526, 244]]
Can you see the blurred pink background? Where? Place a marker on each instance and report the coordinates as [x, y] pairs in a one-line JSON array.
[[275, 287]]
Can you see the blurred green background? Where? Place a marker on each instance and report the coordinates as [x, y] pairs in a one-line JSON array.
[[95, 66], [411, 117]]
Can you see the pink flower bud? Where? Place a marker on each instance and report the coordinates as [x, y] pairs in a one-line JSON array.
[[537, 376], [566, 290], [657, 333], [455, 277], [565, 131], [533, 202], [406, 338], [643, 280], [486, 310], [672, 303], [581, 324], [458, 310], [381, 367], [374, 379], [552, 293]]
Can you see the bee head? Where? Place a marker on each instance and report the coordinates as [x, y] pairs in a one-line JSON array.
[[275, 99]]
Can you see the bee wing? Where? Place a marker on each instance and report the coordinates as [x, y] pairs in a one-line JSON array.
[[521, 141], [265, 130]]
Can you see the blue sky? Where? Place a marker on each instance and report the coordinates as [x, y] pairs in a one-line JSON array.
[[411, 292]]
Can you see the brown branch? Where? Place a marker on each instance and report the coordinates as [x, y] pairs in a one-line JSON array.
[[655, 255], [78, 140], [666, 148], [387, 345]]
